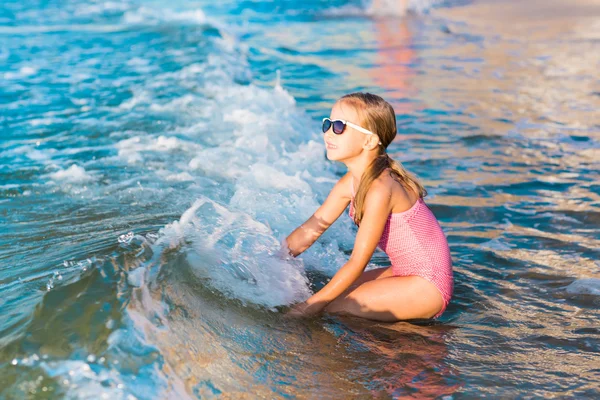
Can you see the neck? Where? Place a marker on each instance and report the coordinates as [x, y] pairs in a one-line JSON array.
[[359, 164]]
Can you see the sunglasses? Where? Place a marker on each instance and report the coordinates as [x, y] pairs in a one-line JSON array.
[[339, 125]]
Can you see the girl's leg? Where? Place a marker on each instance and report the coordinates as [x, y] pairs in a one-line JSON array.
[[373, 274], [390, 299], [378, 273]]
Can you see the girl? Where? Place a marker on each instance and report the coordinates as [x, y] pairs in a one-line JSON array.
[[386, 202]]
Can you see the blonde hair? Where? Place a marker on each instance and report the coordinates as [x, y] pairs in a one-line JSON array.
[[378, 116]]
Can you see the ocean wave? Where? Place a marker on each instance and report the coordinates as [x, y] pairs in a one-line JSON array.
[[236, 253]]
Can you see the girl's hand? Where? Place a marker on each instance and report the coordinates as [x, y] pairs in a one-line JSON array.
[[284, 251], [302, 310]]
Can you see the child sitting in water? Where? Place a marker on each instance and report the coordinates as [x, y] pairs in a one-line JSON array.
[[389, 210]]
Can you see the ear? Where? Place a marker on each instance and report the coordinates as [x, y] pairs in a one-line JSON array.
[[371, 142]]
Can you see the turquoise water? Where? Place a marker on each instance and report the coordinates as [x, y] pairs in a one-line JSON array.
[[153, 155]]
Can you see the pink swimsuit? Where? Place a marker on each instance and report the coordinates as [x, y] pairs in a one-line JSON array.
[[416, 245]]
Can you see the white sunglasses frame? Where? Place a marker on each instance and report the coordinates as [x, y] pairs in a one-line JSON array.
[[358, 128]]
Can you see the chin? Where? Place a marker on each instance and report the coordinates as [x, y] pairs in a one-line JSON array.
[[330, 156]]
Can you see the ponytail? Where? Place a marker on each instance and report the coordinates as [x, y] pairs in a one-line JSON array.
[[373, 171]]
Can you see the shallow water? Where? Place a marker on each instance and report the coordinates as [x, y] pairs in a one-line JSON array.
[[153, 155]]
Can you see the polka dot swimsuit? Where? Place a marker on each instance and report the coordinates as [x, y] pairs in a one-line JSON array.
[[416, 245]]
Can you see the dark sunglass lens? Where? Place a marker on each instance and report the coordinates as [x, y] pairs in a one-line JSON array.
[[338, 127], [326, 125]]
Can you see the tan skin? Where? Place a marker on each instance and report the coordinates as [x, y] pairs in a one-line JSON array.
[[375, 294]]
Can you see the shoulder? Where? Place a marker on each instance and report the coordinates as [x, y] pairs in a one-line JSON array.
[[400, 198], [380, 191]]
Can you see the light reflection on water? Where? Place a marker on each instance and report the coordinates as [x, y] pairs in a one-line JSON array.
[[157, 108]]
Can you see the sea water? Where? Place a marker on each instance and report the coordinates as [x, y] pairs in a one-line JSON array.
[[153, 155]]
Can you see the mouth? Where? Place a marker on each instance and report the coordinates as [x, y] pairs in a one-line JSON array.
[[330, 146]]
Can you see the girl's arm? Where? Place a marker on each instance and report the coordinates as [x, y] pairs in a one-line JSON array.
[[377, 209], [307, 233]]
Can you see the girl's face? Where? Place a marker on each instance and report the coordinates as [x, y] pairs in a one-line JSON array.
[[350, 143]]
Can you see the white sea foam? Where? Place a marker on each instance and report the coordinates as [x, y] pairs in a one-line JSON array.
[[588, 286], [104, 381], [140, 97], [272, 168], [30, 152], [132, 149], [236, 253], [137, 61], [270, 178], [101, 8], [276, 192], [73, 174], [496, 244], [141, 65], [86, 383], [23, 72], [43, 121], [151, 16], [136, 277], [559, 217], [181, 177], [176, 105]]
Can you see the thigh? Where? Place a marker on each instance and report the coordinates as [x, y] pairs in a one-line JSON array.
[[390, 299], [371, 275]]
